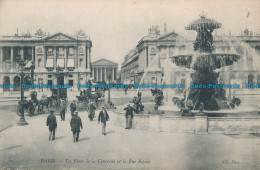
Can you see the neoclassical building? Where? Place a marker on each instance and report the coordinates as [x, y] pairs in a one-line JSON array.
[[100, 70], [72, 54], [149, 61]]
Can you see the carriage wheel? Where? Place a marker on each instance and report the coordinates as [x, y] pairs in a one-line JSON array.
[[31, 111], [19, 110]]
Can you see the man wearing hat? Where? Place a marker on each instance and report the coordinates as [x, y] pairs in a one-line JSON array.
[[73, 107], [52, 123], [103, 117], [129, 116], [92, 109], [75, 124], [63, 109]]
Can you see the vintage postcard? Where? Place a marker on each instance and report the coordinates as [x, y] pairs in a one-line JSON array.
[[134, 84]]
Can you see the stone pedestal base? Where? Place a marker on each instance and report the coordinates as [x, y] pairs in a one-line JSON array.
[[22, 122], [201, 124]]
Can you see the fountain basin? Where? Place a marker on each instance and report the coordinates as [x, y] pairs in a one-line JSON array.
[[205, 60]]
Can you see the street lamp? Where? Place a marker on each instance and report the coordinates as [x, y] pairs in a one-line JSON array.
[[109, 71], [110, 105], [22, 120], [32, 72], [58, 69]]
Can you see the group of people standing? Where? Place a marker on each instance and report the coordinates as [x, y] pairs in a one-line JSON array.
[[103, 117], [75, 122]]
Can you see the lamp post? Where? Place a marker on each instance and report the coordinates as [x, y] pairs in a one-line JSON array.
[[22, 120], [110, 105], [32, 72], [58, 69], [109, 71]]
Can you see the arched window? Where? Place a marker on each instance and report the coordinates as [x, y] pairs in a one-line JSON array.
[[250, 79], [6, 82], [17, 83]]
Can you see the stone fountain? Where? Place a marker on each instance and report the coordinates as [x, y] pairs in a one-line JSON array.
[[204, 62]]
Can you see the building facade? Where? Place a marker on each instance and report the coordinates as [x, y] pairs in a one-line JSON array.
[[100, 70], [149, 62], [72, 54]]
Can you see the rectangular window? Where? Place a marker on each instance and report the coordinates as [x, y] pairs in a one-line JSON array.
[[71, 63], [49, 76], [60, 62], [70, 75], [49, 63]]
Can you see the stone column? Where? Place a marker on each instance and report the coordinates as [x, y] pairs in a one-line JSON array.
[[44, 56], [245, 60], [98, 74], [1, 58], [65, 55], [145, 57], [254, 56], [55, 57], [101, 70], [112, 74], [12, 58], [105, 73], [76, 56], [115, 70], [22, 53], [88, 59], [33, 55]]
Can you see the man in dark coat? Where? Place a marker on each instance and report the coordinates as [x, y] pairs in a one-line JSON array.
[[63, 108], [103, 117], [92, 109], [129, 116], [73, 107], [75, 124], [52, 123]]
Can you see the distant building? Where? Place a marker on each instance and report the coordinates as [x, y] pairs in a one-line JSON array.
[[100, 70], [71, 53], [148, 62]]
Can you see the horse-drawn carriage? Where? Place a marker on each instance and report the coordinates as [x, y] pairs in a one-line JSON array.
[[90, 95], [54, 95], [34, 105]]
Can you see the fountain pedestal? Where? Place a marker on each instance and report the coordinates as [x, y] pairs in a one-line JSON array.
[[201, 124]]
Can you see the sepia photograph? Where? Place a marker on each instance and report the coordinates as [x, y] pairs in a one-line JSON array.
[[133, 84]]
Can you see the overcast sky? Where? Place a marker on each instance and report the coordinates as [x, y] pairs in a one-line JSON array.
[[116, 26]]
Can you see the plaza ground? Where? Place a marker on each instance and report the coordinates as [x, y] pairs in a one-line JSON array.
[[28, 147]]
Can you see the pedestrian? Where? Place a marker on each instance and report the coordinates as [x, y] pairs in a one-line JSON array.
[[92, 109], [52, 123], [73, 107], [75, 124], [126, 90], [103, 117], [63, 109], [129, 116]]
